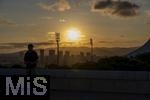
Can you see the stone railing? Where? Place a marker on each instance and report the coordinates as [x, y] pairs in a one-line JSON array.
[[126, 82]]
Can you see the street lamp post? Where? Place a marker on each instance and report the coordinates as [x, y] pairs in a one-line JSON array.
[[57, 41], [91, 43]]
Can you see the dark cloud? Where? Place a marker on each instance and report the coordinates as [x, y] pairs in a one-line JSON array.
[[103, 4], [119, 8]]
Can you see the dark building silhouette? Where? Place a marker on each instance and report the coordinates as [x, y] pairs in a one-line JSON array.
[[61, 57], [52, 57], [67, 58], [42, 57], [88, 56], [81, 57]]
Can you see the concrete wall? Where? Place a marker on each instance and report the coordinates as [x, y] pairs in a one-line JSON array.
[[83, 81]]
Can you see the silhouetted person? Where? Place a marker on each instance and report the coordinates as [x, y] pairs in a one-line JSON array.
[[31, 59]]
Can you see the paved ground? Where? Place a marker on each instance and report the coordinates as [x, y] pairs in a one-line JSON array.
[[95, 96]]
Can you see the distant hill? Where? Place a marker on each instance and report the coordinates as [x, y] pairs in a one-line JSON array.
[[100, 51], [76, 50], [13, 58]]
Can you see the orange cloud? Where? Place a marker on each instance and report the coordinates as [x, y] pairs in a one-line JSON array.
[[61, 5]]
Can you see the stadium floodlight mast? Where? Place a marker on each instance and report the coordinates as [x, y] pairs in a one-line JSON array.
[[57, 41], [91, 44]]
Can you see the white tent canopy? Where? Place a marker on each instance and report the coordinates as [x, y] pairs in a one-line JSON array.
[[144, 49]]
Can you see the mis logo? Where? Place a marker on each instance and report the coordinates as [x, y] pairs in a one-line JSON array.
[[25, 87]]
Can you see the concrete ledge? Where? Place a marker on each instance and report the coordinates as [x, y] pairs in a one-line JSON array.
[[131, 82], [94, 74], [59, 83]]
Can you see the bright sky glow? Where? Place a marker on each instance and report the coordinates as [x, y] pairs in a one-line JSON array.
[[73, 34]]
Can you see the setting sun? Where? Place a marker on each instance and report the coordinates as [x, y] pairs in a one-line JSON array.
[[73, 34]]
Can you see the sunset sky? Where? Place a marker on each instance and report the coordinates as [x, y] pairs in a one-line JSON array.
[[111, 23]]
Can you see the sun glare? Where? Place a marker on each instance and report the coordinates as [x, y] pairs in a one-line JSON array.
[[73, 34]]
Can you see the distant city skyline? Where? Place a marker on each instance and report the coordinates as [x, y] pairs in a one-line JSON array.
[[110, 23]]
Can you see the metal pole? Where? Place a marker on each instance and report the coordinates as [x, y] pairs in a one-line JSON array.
[[91, 43], [57, 41], [57, 53]]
